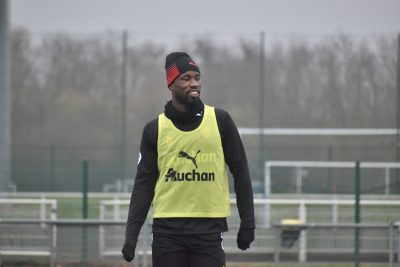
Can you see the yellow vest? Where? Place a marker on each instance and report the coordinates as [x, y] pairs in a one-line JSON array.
[[193, 179]]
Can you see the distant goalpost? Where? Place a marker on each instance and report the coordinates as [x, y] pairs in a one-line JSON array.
[[318, 131], [299, 166], [373, 132]]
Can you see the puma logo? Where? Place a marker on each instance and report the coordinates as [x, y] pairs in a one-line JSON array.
[[183, 154], [193, 64]]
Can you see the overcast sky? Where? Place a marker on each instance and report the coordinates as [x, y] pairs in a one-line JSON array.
[[169, 17]]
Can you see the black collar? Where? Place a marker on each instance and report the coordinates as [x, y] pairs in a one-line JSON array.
[[184, 117]]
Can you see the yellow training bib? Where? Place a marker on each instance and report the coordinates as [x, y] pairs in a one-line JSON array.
[[193, 179]]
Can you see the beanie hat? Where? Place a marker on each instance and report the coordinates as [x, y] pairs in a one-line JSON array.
[[177, 63]]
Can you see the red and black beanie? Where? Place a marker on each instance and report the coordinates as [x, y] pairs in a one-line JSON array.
[[177, 63]]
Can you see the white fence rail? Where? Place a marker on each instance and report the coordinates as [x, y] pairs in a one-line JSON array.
[[318, 211], [385, 235], [20, 240]]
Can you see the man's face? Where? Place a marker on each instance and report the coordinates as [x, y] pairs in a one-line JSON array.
[[186, 88]]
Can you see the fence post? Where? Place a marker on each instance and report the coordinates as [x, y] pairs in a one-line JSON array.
[[262, 102], [5, 96], [101, 231], [52, 168], [335, 211], [52, 247], [53, 230], [357, 215], [116, 209], [85, 187], [299, 180], [397, 186], [43, 210], [391, 225], [387, 181], [267, 193], [397, 224], [277, 245], [303, 233]]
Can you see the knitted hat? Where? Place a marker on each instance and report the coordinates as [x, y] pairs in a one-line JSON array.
[[177, 63]]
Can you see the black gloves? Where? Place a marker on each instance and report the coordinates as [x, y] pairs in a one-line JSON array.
[[128, 251], [245, 237]]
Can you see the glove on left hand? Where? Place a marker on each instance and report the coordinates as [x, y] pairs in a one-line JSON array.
[[245, 237]]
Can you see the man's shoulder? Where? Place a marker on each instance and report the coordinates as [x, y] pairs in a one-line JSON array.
[[151, 126], [151, 123], [224, 120], [221, 113]]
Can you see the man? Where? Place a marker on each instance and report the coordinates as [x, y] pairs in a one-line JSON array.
[[182, 172]]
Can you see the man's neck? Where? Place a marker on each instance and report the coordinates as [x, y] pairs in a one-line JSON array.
[[179, 106], [192, 113]]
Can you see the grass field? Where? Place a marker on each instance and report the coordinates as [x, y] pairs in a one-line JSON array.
[[70, 207]]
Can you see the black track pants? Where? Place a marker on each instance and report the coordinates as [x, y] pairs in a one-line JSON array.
[[188, 250]]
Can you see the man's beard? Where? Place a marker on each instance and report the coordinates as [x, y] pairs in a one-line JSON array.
[[186, 100]]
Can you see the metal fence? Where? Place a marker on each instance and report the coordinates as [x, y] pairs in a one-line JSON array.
[[77, 241], [47, 168], [379, 245], [29, 228]]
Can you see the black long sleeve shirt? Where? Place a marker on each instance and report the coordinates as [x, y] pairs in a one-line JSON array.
[[147, 175]]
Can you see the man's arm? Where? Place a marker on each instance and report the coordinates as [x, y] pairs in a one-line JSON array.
[[143, 189], [236, 159]]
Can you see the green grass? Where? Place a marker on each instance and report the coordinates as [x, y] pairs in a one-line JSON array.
[[71, 208]]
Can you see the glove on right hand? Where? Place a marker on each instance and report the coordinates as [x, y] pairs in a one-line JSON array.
[[128, 251]]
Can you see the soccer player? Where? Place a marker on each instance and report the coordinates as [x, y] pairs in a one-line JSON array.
[[183, 173]]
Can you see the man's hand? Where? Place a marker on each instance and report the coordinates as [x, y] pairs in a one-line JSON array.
[[128, 251], [245, 237]]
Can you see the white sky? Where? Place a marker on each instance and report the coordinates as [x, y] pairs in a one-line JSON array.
[[171, 17]]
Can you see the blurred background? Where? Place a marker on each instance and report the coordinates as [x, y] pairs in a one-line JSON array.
[[80, 80], [80, 96], [86, 76]]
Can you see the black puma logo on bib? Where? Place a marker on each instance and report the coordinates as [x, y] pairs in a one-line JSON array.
[[183, 154]]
